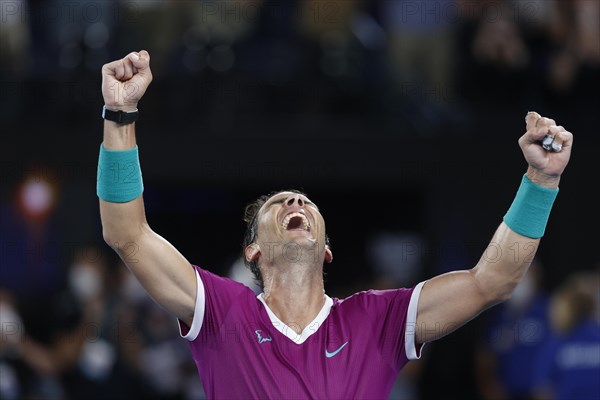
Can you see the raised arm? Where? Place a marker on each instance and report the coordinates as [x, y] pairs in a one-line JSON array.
[[450, 300], [165, 274]]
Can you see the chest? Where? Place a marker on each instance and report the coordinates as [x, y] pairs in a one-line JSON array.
[[340, 358]]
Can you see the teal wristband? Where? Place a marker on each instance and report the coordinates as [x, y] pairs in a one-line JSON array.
[[119, 175], [529, 212]]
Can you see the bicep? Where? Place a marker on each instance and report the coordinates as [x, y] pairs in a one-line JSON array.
[[447, 302], [163, 272]]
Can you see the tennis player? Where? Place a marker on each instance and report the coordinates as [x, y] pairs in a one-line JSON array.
[[293, 340]]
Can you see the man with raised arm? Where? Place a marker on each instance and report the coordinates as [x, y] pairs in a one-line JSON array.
[[294, 341]]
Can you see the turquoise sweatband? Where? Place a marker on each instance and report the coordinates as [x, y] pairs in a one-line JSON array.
[[529, 212], [119, 175]]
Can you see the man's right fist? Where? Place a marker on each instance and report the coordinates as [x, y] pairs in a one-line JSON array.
[[125, 81]]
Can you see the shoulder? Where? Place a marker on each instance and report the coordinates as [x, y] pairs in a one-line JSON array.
[[220, 292], [214, 281], [379, 295], [373, 298]]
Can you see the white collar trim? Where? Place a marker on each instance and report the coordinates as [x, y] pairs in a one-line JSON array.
[[308, 330]]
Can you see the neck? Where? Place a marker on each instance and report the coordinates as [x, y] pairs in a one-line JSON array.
[[294, 292]]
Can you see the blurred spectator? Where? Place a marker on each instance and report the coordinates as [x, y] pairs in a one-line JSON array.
[[421, 41], [516, 331], [14, 40], [568, 364], [495, 54], [81, 343], [422, 63], [38, 343], [107, 362], [499, 41], [521, 48], [501, 44], [343, 59], [575, 32], [341, 30]]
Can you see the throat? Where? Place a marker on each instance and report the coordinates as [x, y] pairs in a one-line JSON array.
[[296, 311]]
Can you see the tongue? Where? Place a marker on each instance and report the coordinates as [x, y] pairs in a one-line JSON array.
[[295, 223]]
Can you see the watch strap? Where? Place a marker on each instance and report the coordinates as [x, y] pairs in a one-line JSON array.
[[120, 117]]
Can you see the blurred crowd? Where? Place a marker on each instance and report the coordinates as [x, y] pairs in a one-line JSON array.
[[427, 65], [542, 345], [98, 336], [85, 328]]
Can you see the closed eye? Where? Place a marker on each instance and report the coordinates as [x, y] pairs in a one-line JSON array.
[[308, 203], [279, 201]]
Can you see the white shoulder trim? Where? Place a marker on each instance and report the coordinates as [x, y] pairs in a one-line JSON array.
[[411, 325], [310, 328], [198, 311]]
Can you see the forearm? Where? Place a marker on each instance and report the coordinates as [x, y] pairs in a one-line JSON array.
[[118, 137], [509, 254], [121, 222]]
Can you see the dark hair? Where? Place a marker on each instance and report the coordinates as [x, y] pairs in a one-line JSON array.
[[251, 220]]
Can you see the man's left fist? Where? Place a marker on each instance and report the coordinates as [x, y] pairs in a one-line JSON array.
[[547, 149]]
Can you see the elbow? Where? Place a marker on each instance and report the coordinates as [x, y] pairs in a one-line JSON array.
[[112, 236], [496, 298], [508, 291], [116, 240], [503, 296], [506, 285], [109, 238], [494, 289], [503, 293]]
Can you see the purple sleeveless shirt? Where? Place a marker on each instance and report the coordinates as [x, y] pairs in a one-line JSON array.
[[354, 348]]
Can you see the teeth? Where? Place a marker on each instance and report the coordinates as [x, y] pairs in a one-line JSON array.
[[286, 220]]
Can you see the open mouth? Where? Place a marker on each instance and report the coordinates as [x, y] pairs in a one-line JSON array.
[[296, 221]]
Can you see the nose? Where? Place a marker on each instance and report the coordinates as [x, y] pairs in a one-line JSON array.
[[295, 199]]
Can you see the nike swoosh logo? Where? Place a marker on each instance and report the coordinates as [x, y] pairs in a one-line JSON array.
[[329, 355]]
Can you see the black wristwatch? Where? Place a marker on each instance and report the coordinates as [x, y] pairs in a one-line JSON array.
[[120, 117]]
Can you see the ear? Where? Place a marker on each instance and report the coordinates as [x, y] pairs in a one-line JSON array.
[[328, 255], [252, 251]]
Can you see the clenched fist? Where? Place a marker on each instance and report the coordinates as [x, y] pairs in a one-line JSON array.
[[125, 81], [545, 166]]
